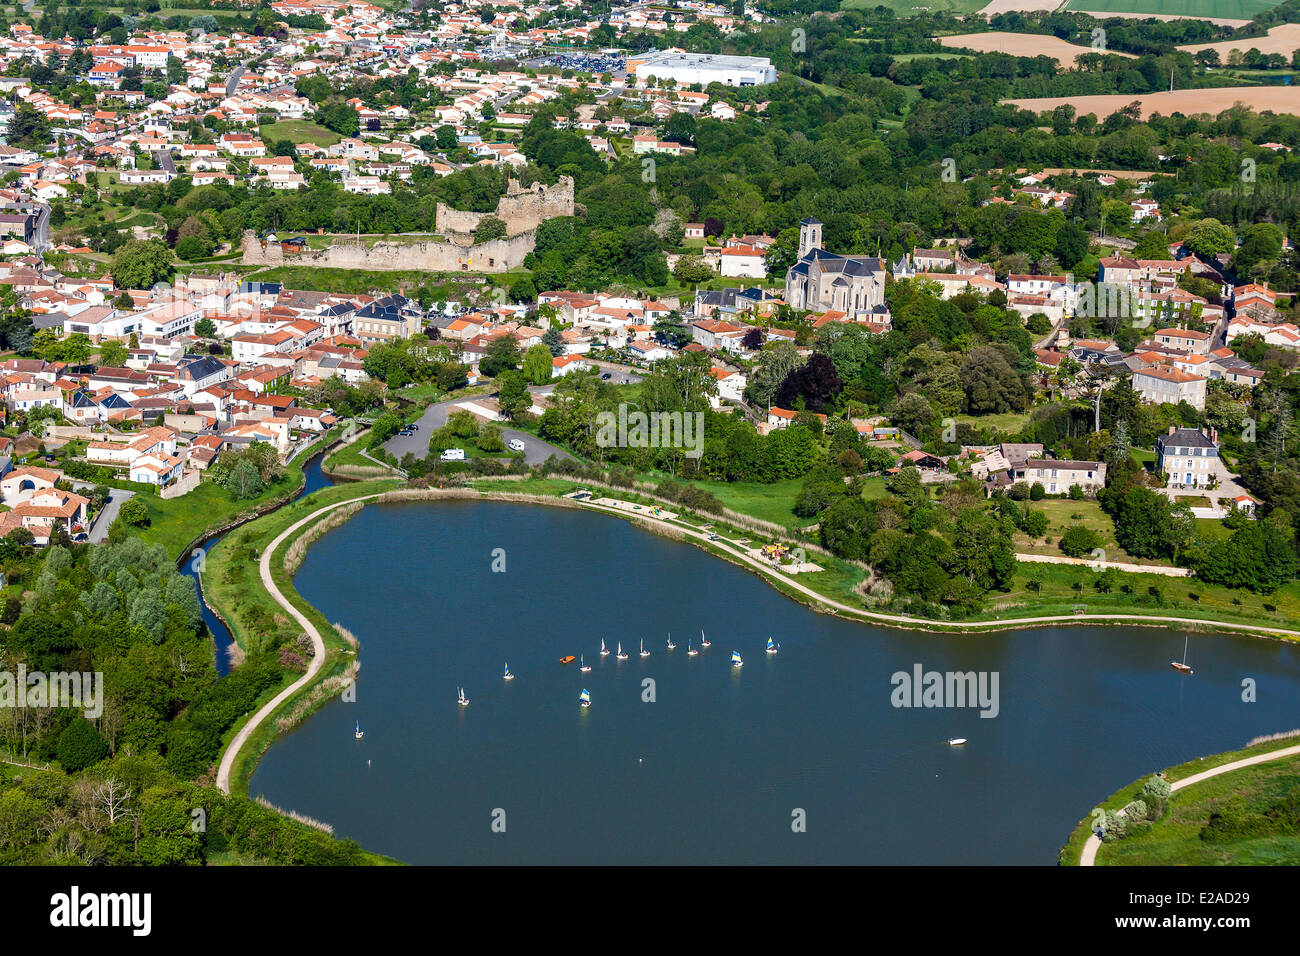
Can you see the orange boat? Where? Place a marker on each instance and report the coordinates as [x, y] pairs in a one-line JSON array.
[[568, 660]]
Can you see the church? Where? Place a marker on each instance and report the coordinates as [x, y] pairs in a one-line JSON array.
[[821, 280]]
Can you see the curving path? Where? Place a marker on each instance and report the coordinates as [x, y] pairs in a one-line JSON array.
[[317, 643], [1090, 848], [995, 624]]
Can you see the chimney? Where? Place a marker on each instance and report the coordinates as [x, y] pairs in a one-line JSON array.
[[1171, 429]]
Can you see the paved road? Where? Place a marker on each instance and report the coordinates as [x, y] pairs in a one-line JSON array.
[[163, 157], [99, 530], [536, 451], [1089, 855]]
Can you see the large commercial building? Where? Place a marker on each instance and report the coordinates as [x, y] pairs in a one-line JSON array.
[[688, 69]]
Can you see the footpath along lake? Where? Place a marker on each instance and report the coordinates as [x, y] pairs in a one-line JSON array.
[[715, 768]]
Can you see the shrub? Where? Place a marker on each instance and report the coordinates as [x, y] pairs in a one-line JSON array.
[[80, 745], [1079, 540], [1037, 492]]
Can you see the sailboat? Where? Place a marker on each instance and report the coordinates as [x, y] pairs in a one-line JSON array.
[[704, 641], [1182, 665], [771, 646], [360, 733], [690, 651], [671, 645], [462, 699], [644, 652], [735, 659], [583, 665], [584, 698], [508, 675], [604, 651], [620, 655]]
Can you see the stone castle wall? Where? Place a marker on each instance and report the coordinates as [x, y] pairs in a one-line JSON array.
[[522, 209], [427, 255]]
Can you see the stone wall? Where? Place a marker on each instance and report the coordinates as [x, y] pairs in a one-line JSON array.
[[522, 209], [428, 255]]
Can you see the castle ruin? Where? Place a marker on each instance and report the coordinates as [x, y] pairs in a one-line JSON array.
[[522, 209]]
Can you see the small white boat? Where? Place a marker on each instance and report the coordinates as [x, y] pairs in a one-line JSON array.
[[583, 665], [644, 652], [508, 675], [771, 646], [735, 659], [671, 645], [704, 641], [462, 699], [584, 698], [620, 655], [956, 741], [604, 651], [690, 651], [360, 733]]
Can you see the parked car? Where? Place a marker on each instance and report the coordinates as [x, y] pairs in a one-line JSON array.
[[606, 375], [453, 454], [516, 444]]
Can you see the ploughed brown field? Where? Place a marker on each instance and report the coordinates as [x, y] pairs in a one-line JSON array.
[[1021, 44], [1278, 99]]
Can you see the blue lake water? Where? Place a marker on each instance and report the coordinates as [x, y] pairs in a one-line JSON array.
[[714, 770]]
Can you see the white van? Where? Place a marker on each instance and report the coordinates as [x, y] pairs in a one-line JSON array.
[[453, 454], [516, 444]]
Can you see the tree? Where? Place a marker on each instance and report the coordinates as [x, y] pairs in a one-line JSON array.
[[501, 355], [134, 512], [1071, 244], [1209, 237], [28, 127], [553, 339], [489, 228], [112, 353], [537, 364], [141, 263], [691, 270], [1079, 540], [80, 746], [512, 393], [205, 328]]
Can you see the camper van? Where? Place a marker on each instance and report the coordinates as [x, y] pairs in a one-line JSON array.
[[453, 454], [516, 444]]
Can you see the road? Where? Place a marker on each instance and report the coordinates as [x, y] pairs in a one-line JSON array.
[[99, 530], [536, 451], [163, 157], [1090, 848]]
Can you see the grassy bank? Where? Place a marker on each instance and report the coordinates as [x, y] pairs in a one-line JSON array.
[[1175, 839]]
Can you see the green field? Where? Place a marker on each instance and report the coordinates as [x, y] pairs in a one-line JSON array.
[[908, 7], [1176, 839], [1224, 9], [298, 131]]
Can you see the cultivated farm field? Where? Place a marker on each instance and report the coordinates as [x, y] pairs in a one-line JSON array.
[[1283, 39], [1021, 44], [1278, 99]]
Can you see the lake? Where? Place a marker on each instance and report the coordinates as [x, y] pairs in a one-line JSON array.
[[723, 762]]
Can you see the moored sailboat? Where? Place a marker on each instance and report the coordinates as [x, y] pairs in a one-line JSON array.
[[1182, 666]]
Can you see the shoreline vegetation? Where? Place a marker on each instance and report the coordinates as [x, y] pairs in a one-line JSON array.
[[236, 597], [1185, 832]]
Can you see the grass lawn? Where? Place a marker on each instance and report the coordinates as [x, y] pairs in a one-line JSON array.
[[1175, 839], [175, 522], [1061, 515], [1012, 423], [1196, 9], [907, 7], [298, 131]]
